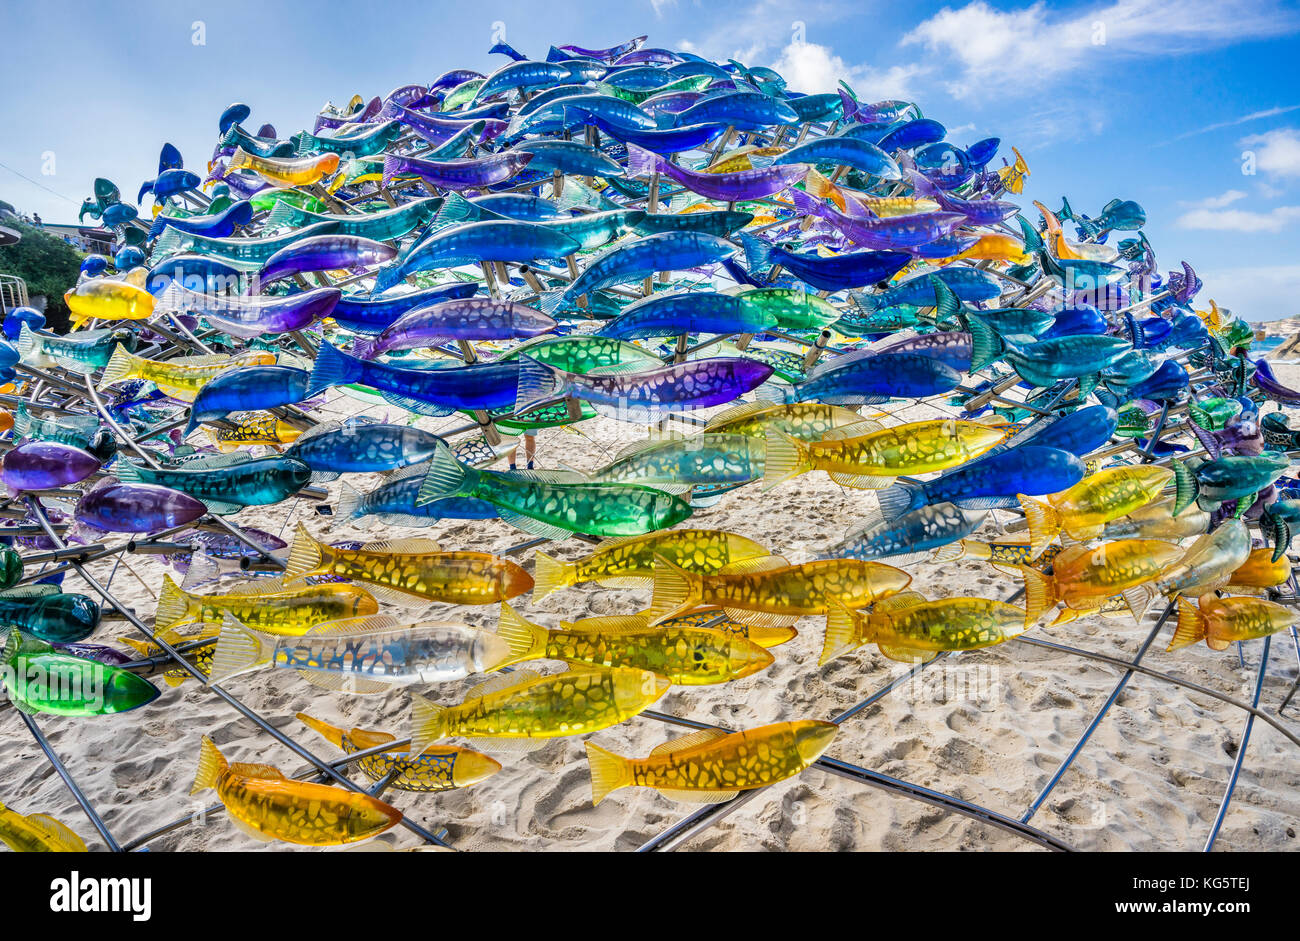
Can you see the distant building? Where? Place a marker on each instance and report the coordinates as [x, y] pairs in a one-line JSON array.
[[86, 239]]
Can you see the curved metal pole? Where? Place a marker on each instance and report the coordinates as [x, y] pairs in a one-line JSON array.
[[1241, 751], [96, 821], [1064, 766]]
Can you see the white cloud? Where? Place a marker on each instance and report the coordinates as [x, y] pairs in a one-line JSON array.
[[1276, 152], [995, 47], [810, 67], [1239, 220], [1263, 292], [660, 5], [1217, 202]]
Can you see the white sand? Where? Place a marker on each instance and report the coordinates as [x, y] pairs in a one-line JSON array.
[[1151, 777]]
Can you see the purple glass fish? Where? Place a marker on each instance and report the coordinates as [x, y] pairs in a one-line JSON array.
[[45, 465], [325, 253], [115, 507], [890, 232], [463, 174], [731, 187], [643, 395], [470, 318]]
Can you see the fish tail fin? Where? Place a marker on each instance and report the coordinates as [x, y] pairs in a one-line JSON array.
[[173, 605], [840, 633], [349, 503], [304, 555], [386, 277], [331, 733], [1044, 523], [986, 346], [899, 499], [1039, 593], [1186, 487], [609, 772], [786, 459], [120, 366], [548, 302], [1192, 626], [550, 574], [446, 477], [538, 383], [392, 167], [238, 650], [428, 723], [758, 253], [211, 764], [28, 342], [527, 641], [641, 162], [332, 368], [676, 591]]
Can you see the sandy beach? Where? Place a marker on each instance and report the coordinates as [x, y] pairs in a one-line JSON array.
[[989, 727]]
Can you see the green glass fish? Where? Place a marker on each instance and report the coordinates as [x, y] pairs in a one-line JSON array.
[[38, 680]]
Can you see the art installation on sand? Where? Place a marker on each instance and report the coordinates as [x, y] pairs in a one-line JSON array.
[[762, 292]]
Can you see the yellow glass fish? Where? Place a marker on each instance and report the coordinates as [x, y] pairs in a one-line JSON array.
[[1221, 621], [630, 562], [716, 619], [1013, 177], [37, 833], [807, 421], [180, 378], [1083, 510], [909, 628], [268, 806], [201, 657], [265, 605], [771, 592], [253, 428], [1259, 571], [286, 171], [1157, 521], [689, 656], [869, 456], [442, 768], [411, 568], [991, 247], [103, 299], [881, 206], [1063, 248], [1085, 578], [521, 711], [712, 765], [737, 160]]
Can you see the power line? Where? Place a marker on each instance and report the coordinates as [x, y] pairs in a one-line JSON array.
[[41, 185]]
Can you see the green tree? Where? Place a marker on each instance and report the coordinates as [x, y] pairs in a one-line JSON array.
[[48, 264]]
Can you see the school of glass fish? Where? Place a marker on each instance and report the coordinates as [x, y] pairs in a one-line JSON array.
[[638, 234]]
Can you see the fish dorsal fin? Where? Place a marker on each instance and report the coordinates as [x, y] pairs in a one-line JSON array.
[[56, 832], [251, 586], [616, 541], [344, 682], [613, 624], [323, 428], [700, 737], [855, 430], [502, 681], [213, 462], [414, 546], [904, 599], [862, 481], [736, 413], [549, 476], [252, 769], [352, 626], [638, 447], [627, 367], [762, 563]]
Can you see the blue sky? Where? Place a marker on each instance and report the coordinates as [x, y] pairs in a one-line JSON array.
[[1189, 107]]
